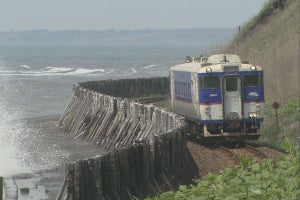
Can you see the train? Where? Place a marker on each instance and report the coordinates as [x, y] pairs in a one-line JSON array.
[[220, 96]]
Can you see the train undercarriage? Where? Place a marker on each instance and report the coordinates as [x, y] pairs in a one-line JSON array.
[[230, 130]]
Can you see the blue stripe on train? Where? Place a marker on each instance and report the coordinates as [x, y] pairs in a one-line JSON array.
[[214, 96], [211, 96], [241, 73], [251, 94]]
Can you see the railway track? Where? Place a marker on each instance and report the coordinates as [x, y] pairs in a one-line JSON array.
[[151, 99], [231, 154], [258, 154], [213, 157]]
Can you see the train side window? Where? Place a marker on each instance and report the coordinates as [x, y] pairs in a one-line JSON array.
[[209, 82], [253, 80], [189, 90], [231, 84], [177, 90], [181, 89], [184, 89]]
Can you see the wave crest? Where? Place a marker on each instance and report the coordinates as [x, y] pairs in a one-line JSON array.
[[54, 71]]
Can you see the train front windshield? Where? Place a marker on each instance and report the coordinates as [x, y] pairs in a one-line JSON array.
[[209, 82], [255, 80]]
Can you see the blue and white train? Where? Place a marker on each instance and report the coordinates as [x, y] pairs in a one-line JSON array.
[[220, 96]]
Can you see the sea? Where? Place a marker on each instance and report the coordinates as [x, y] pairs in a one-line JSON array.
[[36, 81]]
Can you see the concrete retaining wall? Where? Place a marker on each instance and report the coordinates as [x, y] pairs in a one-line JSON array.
[[135, 171], [145, 146], [113, 122], [129, 88]]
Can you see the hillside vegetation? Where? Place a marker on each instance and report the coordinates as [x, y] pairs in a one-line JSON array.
[[249, 180], [271, 39]]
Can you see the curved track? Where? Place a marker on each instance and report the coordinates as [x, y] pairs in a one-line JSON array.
[[258, 154], [151, 99], [231, 153], [212, 158]]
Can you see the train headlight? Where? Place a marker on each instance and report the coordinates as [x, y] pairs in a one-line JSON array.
[[207, 110], [253, 68], [208, 70], [252, 114]]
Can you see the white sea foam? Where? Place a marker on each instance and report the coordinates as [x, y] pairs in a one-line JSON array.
[[11, 132], [109, 72], [87, 71], [24, 148], [7, 72], [150, 66], [133, 71], [55, 71], [25, 66], [58, 69]]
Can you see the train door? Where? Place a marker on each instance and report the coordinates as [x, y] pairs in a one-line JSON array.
[[172, 89], [195, 96], [232, 101]]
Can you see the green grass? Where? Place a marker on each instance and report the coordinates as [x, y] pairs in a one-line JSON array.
[[288, 122]]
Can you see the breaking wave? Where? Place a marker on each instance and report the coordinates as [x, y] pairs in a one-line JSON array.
[[133, 71], [11, 133], [54, 71], [151, 66], [25, 66]]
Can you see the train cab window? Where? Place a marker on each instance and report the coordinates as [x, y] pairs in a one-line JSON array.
[[231, 84], [209, 82], [253, 80]]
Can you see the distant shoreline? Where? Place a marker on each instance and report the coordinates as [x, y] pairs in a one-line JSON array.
[[111, 36]]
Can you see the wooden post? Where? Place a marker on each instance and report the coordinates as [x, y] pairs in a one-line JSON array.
[[1, 188], [69, 171], [276, 105]]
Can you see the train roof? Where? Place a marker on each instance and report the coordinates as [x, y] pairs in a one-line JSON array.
[[217, 63]]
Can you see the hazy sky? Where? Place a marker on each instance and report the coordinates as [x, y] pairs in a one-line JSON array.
[[125, 14]]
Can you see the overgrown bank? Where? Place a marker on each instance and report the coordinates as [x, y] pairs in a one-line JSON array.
[[249, 180]]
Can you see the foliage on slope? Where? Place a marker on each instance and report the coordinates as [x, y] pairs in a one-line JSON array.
[[288, 123], [249, 180]]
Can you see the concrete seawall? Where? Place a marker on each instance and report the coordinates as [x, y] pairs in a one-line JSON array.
[[113, 122], [145, 146], [129, 88]]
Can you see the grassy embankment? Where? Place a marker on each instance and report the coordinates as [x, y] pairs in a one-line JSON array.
[[271, 39], [250, 180]]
